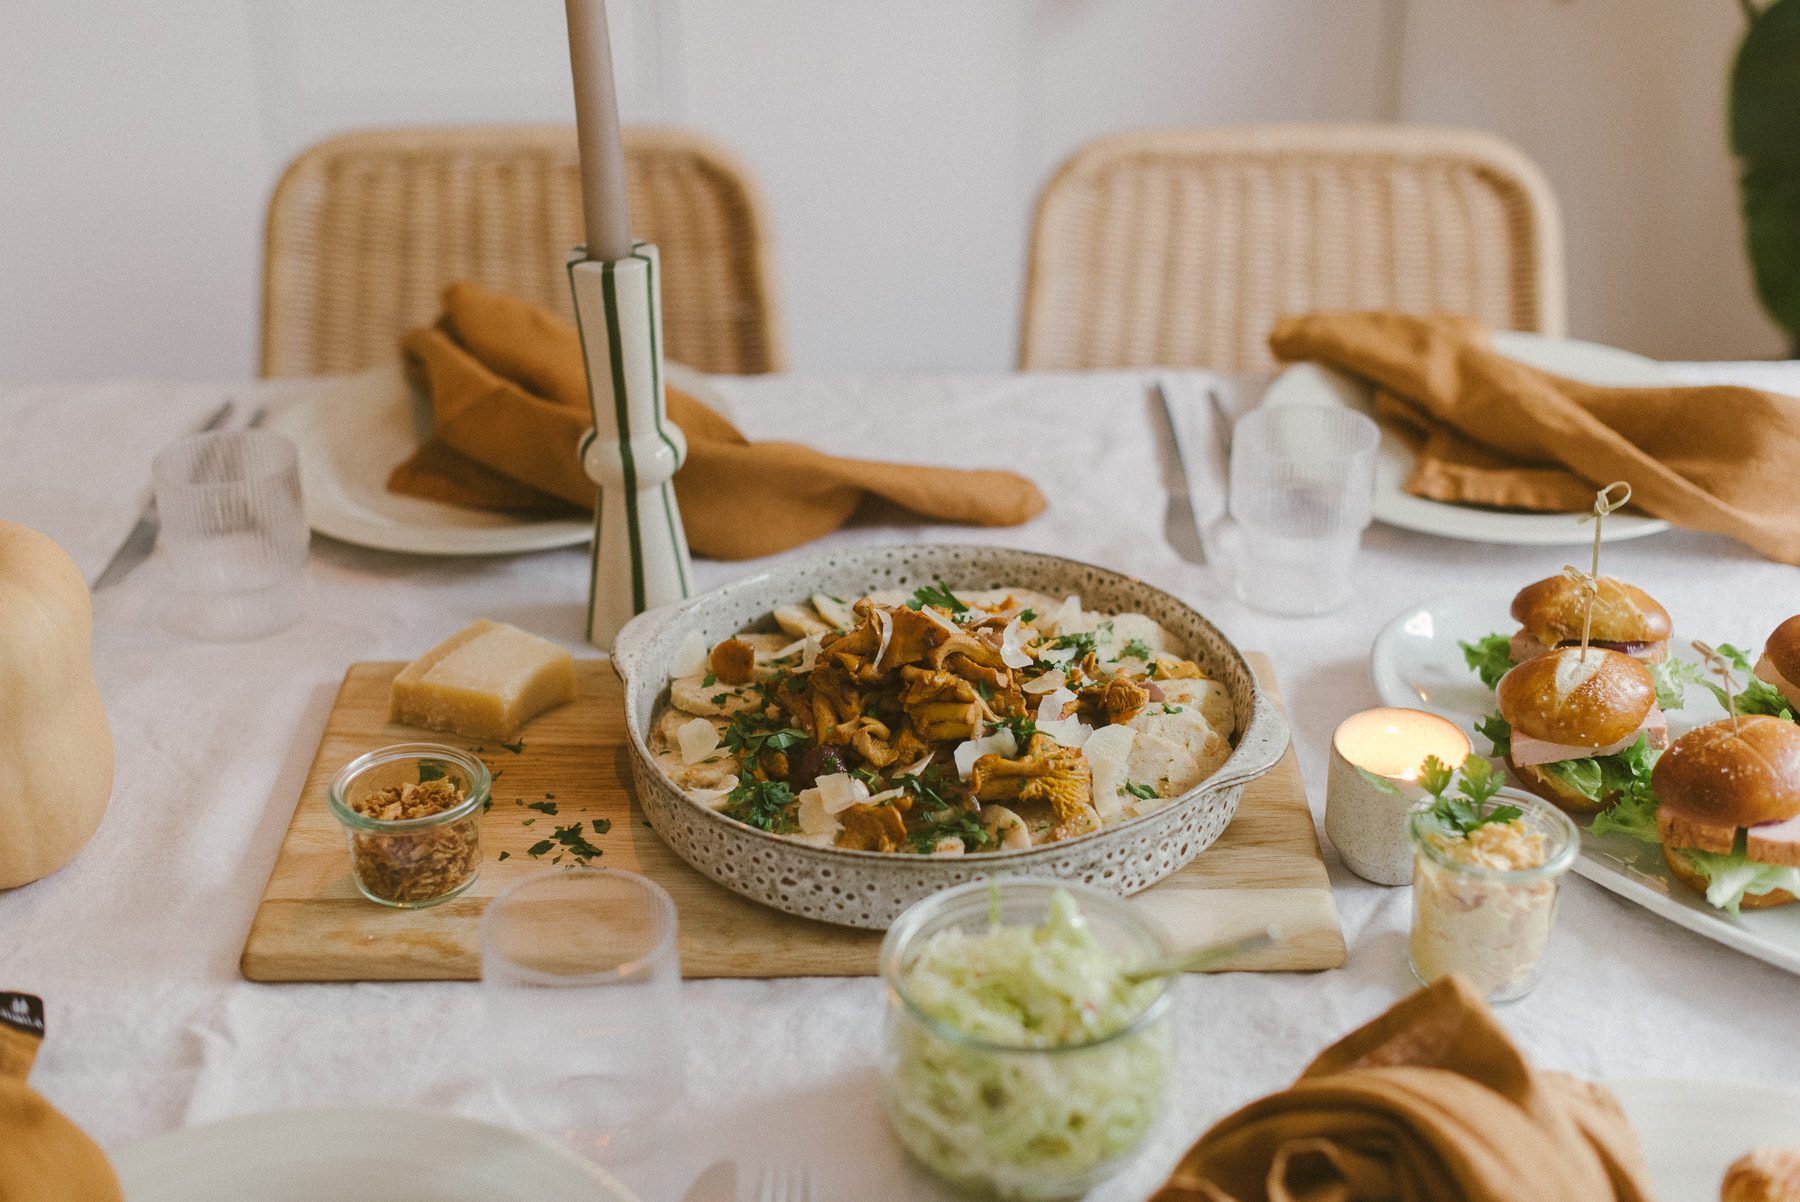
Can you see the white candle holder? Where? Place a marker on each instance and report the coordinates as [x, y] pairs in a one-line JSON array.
[[640, 554], [1373, 780]]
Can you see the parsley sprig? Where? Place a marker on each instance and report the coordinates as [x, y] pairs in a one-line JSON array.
[[1471, 805], [963, 825], [1022, 729], [1138, 649], [938, 595], [752, 734], [765, 804]]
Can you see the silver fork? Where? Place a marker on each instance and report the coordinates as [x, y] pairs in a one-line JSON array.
[[785, 1183]]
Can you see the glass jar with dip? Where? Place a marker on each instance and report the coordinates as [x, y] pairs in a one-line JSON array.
[[1377, 757], [1484, 900]]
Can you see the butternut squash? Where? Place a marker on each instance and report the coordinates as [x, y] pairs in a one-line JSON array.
[[56, 753]]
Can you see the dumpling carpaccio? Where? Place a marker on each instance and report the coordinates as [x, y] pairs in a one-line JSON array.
[[1181, 741]]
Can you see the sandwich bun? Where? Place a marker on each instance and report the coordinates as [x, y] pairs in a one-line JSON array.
[[1767, 1174], [1732, 777], [1554, 610], [1578, 701], [1782, 653], [1684, 872]]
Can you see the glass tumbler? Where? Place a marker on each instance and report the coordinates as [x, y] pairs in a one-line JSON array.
[[583, 994], [1302, 492], [1022, 1122], [234, 532], [1488, 925]]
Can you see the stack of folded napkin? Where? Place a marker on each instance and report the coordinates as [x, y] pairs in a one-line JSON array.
[[1431, 1102], [510, 403], [1492, 431]]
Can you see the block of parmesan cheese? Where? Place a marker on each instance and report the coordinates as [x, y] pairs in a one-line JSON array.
[[485, 681]]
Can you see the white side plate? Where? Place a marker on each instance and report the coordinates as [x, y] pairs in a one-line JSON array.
[[1311, 383], [1416, 662], [1691, 1131], [396, 1155], [352, 430]]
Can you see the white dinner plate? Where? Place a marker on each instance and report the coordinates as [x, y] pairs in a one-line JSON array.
[[1691, 1130], [1416, 662], [1313, 383], [351, 431], [348, 1154]]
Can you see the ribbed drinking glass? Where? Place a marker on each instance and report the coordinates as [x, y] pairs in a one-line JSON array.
[[233, 531]]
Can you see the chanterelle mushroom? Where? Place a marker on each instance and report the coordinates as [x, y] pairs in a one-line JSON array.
[[871, 828], [1047, 772], [733, 661], [943, 706], [1115, 700]]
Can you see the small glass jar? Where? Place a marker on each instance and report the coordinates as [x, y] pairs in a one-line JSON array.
[[1022, 1122], [412, 862], [1489, 925]]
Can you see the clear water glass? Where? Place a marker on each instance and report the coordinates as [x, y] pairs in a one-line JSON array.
[[583, 996], [233, 532], [1302, 493]]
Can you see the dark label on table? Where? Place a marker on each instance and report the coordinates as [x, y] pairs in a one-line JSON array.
[[22, 1012]]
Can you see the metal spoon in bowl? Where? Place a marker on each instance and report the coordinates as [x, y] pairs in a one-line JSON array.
[[1203, 959]]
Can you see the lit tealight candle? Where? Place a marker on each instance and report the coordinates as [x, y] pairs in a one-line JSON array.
[[1376, 759]]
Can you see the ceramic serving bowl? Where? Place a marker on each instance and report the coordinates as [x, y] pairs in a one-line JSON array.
[[870, 889]]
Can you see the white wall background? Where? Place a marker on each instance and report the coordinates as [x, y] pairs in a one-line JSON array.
[[899, 142]]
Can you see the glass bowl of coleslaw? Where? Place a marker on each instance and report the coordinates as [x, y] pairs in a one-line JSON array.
[[1019, 1061]]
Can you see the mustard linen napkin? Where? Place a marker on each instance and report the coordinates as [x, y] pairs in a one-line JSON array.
[[1493, 431], [509, 405], [1431, 1102]]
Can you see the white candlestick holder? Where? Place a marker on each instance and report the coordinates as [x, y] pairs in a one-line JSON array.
[[640, 553]]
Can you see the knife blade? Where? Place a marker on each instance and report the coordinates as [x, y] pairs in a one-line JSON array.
[[142, 540]]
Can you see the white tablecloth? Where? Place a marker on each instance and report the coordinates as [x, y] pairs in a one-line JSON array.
[[135, 944]]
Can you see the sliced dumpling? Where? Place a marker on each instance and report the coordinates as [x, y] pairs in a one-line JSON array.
[[693, 695], [1210, 697]]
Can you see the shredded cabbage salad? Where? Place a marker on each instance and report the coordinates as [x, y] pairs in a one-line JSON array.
[[1025, 1125]]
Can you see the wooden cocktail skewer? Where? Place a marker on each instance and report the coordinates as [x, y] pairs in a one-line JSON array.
[[1721, 668], [1604, 504]]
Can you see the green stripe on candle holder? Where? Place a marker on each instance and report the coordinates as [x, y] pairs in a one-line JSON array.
[[609, 291], [637, 252]]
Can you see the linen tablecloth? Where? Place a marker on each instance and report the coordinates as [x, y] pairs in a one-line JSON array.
[[135, 944]]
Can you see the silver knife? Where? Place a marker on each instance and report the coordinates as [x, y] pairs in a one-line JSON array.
[[142, 540]]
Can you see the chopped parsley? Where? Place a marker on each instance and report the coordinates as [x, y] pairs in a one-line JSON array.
[[515, 748], [1171, 709], [1139, 649], [711, 679], [964, 826], [432, 770], [539, 848], [575, 844], [1141, 792], [938, 595], [1082, 641], [752, 734], [923, 787], [543, 807], [765, 804], [1022, 728], [504, 855], [1028, 615]]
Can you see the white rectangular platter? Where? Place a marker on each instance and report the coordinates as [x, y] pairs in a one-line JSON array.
[[1416, 662]]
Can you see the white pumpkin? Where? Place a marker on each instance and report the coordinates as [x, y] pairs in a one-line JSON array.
[[56, 753]]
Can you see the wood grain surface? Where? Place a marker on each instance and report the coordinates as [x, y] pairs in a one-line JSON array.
[[312, 925]]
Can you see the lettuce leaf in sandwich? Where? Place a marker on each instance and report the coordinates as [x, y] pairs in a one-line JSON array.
[[1731, 878], [1489, 658], [1757, 696], [1626, 772]]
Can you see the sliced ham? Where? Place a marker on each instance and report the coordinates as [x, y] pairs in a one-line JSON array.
[[1776, 843], [1528, 752], [1678, 830]]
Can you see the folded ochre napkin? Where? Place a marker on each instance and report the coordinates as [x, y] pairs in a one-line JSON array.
[[43, 1156], [1492, 431], [1431, 1102], [509, 404]]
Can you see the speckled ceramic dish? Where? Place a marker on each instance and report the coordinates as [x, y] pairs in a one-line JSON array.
[[870, 889]]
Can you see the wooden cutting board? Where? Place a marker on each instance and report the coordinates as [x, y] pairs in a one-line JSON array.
[[312, 924]]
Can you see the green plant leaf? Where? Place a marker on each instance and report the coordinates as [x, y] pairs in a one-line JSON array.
[[1765, 135]]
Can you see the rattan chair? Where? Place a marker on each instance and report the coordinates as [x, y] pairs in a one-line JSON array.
[[1183, 247], [365, 230]]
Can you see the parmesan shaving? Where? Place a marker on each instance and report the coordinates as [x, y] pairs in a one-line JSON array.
[[1049, 682], [839, 791], [1070, 732], [1000, 743], [712, 799], [917, 767], [1051, 708], [697, 740], [1069, 611], [690, 657], [1012, 645], [886, 626]]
